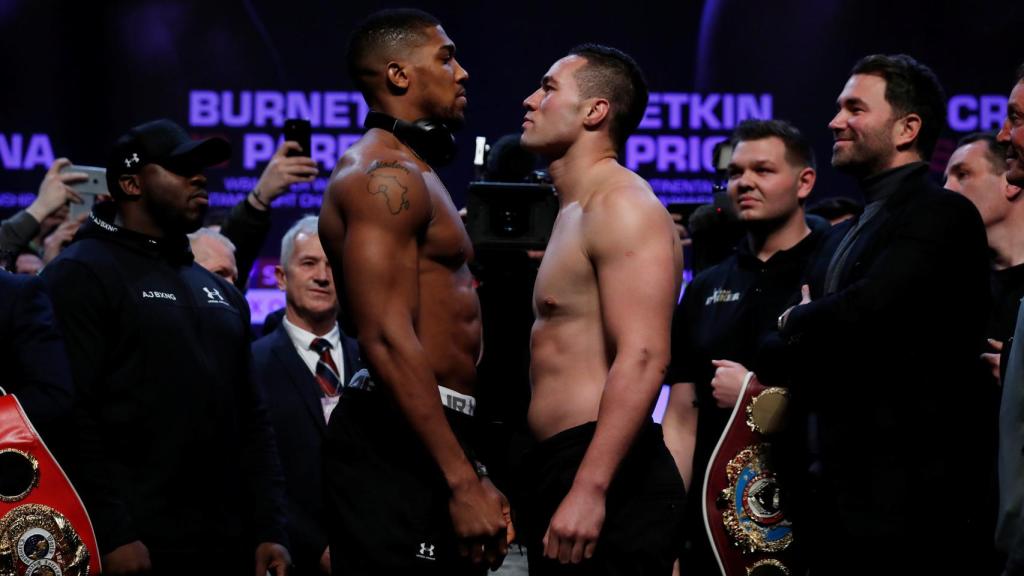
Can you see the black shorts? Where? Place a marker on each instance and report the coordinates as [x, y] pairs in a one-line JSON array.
[[643, 514], [387, 501]]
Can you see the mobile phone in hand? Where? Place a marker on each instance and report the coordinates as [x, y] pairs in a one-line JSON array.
[[300, 131], [89, 189]]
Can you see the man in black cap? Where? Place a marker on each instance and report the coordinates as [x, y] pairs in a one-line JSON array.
[[173, 453]]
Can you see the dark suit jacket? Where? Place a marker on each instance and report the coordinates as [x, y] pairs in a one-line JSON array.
[[32, 356], [293, 399], [889, 366]]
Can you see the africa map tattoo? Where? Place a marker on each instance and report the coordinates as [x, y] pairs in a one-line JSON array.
[[389, 186]]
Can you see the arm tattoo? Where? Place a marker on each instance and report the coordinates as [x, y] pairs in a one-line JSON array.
[[389, 186], [378, 164]]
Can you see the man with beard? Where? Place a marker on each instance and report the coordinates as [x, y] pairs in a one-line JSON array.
[[891, 395], [171, 449], [403, 493], [1010, 525]]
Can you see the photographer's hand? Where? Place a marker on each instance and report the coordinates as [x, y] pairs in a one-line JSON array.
[[280, 173], [55, 191]]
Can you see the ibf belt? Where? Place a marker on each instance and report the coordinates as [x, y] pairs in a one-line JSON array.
[[44, 528], [744, 514]]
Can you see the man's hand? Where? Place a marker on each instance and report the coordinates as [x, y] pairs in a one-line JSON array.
[[55, 191], [131, 558], [61, 237], [805, 294], [280, 173], [325, 561], [805, 298], [506, 515], [477, 510], [506, 511], [727, 382], [274, 558], [992, 358], [575, 526]]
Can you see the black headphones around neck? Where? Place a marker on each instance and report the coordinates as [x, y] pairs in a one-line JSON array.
[[431, 140]]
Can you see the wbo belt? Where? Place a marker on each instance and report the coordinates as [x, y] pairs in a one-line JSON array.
[[457, 401]]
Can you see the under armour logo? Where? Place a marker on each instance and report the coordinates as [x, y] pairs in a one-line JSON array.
[[213, 293], [426, 551], [133, 159]]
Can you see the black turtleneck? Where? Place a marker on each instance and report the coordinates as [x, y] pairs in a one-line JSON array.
[[877, 190], [882, 185]]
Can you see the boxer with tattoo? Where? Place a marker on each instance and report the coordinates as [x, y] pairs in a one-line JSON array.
[[404, 492]]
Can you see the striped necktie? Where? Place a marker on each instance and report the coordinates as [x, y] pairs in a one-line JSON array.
[[326, 370]]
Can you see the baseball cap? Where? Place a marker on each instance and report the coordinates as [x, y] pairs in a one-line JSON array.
[[164, 143]]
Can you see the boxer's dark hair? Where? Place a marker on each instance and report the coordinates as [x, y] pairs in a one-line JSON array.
[[381, 36], [612, 74]]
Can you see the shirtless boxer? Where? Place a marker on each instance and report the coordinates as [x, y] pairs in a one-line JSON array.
[[403, 493], [604, 492]]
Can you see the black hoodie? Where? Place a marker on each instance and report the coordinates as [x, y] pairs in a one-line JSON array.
[[171, 444]]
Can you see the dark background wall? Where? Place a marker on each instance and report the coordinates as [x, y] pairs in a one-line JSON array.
[[80, 73]]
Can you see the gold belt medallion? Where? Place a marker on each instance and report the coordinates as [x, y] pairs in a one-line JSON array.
[[36, 540]]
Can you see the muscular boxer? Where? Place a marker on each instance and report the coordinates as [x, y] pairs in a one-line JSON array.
[[604, 492], [403, 492]]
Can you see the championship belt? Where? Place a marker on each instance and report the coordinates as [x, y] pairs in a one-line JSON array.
[[743, 513], [44, 528]]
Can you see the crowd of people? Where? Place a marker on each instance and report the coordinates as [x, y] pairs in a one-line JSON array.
[[348, 438]]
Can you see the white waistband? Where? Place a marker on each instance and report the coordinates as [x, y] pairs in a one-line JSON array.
[[456, 401], [449, 398]]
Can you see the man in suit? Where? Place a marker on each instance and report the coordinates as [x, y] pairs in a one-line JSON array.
[[889, 336], [1010, 522], [299, 367]]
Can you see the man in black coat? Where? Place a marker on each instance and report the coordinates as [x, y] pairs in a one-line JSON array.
[[172, 451], [299, 376], [889, 338], [35, 365]]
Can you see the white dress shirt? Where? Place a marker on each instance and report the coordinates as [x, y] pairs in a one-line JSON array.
[[302, 340]]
